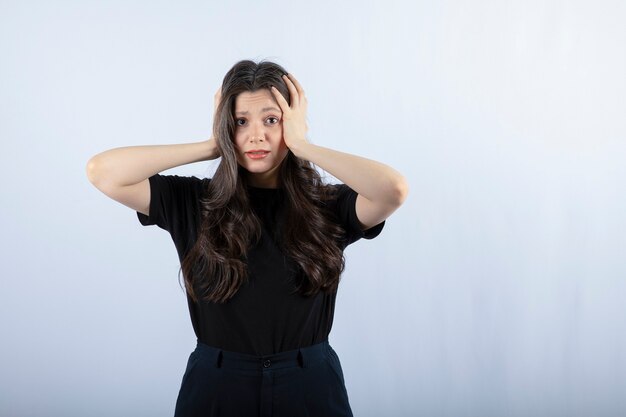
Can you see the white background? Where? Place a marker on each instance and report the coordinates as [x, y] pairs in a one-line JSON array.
[[497, 289]]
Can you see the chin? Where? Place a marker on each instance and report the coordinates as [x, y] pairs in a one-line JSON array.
[[258, 170]]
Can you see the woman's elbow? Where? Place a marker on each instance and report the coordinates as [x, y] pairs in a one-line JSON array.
[[400, 190]]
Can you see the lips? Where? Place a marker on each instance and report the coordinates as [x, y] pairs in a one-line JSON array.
[[257, 154]]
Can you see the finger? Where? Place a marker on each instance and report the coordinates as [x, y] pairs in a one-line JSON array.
[[295, 97], [297, 84], [216, 100], [280, 99], [217, 97], [302, 97]]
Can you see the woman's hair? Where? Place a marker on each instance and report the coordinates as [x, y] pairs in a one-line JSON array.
[[215, 267]]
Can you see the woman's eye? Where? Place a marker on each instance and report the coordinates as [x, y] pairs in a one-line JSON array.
[[240, 122], [273, 118]]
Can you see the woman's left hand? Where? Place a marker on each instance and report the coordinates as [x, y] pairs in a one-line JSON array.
[[294, 117]]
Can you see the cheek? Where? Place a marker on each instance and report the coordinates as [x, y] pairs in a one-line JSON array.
[[280, 138], [238, 142], [238, 150], [283, 150]]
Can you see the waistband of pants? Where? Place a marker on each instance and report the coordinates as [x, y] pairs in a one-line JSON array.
[[302, 357]]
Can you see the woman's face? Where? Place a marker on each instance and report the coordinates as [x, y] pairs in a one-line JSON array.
[[259, 137]]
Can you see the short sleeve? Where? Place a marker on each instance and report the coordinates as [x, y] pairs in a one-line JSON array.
[[345, 210], [173, 201]]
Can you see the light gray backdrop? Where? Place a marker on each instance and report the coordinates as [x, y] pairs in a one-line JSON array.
[[497, 289]]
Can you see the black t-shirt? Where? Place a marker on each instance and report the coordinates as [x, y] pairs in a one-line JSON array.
[[264, 316]]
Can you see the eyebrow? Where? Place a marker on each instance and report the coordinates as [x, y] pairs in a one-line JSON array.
[[263, 110]]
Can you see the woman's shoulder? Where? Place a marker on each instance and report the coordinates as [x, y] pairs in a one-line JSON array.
[[181, 186], [182, 179], [334, 191]]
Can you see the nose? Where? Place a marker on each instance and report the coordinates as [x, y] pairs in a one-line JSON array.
[[257, 134]]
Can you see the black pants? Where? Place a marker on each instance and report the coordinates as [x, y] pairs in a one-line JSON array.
[[303, 382]]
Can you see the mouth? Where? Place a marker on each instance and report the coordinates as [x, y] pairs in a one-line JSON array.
[[257, 154]]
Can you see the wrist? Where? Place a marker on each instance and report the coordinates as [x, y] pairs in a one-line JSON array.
[[209, 149], [301, 149]]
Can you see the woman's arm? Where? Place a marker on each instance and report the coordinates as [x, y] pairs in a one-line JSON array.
[[132, 164], [123, 173], [381, 189]]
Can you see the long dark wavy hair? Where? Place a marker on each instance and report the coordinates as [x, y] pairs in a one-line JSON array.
[[216, 267]]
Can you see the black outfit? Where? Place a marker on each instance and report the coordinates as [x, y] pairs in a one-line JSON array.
[[264, 319]]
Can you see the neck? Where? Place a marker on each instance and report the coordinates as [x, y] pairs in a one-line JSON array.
[[263, 180]]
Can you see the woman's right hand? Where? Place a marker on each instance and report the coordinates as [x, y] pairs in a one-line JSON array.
[[213, 151], [212, 142], [216, 100]]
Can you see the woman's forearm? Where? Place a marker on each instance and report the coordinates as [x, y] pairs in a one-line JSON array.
[[132, 164], [371, 179]]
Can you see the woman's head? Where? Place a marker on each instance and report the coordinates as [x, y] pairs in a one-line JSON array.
[[248, 118]]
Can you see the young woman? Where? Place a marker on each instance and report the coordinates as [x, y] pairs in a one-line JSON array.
[[260, 244]]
